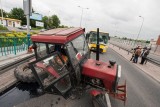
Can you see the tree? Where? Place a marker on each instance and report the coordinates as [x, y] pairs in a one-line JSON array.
[[51, 22], [54, 21], [63, 26], [32, 21], [45, 21], [5, 14], [18, 13]]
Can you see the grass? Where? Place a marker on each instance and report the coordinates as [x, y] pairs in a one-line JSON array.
[[3, 28], [38, 28]]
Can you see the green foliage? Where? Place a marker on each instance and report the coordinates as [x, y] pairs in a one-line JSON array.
[[147, 41], [54, 21], [3, 28], [45, 21], [5, 14], [124, 38], [63, 26], [15, 34], [11, 38], [18, 13], [51, 22], [37, 28], [33, 23]]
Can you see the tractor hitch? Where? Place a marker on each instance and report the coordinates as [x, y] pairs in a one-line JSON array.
[[121, 93]]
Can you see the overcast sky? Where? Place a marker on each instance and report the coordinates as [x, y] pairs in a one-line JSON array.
[[118, 17]]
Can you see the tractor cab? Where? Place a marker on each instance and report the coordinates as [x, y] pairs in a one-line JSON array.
[[59, 52], [64, 55]]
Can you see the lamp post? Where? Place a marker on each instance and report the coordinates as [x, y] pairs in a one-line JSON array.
[[48, 20], [140, 28], [1, 13], [82, 13]]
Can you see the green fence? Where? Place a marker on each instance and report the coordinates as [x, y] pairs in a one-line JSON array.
[[13, 45]]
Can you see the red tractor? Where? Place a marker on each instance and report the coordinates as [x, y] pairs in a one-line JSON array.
[[65, 58]]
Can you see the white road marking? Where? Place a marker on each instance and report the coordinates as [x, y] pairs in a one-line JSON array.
[[108, 100]]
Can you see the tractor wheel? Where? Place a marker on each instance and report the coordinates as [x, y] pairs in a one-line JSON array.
[[24, 74], [98, 101]]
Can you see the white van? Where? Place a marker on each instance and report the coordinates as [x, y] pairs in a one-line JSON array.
[[24, 27]]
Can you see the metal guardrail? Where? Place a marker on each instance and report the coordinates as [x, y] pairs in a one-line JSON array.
[[156, 62], [13, 45], [15, 63]]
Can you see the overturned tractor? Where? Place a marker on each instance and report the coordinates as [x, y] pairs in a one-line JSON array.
[[62, 64]]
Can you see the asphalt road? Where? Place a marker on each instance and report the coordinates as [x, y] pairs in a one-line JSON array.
[[153, 56], [142, 90]]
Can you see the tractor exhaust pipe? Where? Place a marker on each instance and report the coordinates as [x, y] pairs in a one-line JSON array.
[[97, 52]]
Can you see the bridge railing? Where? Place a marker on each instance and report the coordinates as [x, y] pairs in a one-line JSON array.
[[154, 61], [13, 45]]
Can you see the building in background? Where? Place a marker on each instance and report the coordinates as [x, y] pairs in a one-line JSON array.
[[10, 22]]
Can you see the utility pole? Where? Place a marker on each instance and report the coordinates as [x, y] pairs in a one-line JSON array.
[[1, 12], [48, 20], [28, 29], [27, 5]]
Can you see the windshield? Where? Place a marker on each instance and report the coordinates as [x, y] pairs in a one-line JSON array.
[[54, 68], [77, 49], [103, 38], [42, 49]]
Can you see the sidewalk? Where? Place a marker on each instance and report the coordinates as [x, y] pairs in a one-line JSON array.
[[7, 79], [11, 57], [149, 68]]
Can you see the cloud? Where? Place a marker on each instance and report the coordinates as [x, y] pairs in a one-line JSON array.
[[105, 14]]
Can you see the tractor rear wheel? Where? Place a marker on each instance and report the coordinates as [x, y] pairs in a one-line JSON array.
[[24, 74], [98, 101]]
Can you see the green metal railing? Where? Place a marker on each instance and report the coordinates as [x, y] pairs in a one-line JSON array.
[[13, 45]]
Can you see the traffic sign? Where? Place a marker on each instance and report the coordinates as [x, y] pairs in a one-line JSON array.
[[40, 24], [36, 16]]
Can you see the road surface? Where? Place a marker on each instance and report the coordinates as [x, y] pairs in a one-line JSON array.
[[142, 90]]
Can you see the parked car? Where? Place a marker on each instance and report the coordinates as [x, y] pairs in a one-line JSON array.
[[42, 30], [24, 27]]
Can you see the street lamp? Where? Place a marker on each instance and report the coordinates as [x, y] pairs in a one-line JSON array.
[[82, 13], [140, 28]]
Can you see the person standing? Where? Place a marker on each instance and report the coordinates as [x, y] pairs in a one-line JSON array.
[[144, 55], [137, 54], [133, 53]]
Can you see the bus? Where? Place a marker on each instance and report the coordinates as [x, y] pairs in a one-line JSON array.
[[91, 37]]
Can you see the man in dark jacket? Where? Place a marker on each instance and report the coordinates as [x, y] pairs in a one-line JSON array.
[[137, 54], [144, 55]]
